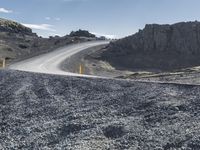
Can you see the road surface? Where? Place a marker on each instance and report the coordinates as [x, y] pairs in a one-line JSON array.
[[50, 63]]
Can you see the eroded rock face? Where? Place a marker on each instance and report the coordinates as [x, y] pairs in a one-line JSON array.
[[157, 47]]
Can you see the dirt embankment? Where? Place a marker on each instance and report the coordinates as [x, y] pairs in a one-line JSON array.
[[91, 64]]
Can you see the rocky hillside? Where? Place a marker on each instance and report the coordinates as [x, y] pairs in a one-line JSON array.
[[18, 42], [14, 27], [157, 47]]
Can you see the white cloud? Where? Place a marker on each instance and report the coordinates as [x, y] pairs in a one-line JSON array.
[[46, 27], [3, 10], [48, 18], [106, 35], [57, 19]]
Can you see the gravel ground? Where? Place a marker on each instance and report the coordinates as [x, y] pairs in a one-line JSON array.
[[40, 111]]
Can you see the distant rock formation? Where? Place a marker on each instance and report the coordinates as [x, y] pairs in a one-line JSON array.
[[14, 27], [157, 47], [82, 33]]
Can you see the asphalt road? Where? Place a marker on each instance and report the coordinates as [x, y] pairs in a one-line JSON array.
[[50, 63]]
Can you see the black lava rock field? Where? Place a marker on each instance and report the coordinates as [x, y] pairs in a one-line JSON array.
[[39, 111]]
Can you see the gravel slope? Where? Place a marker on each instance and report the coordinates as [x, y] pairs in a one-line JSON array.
[[39, 111]]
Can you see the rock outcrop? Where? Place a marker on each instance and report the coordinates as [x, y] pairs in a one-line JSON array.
[[14, 27], [157, 47], [82, 33]]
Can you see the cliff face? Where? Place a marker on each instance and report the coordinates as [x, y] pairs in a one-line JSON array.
[[157, 47]]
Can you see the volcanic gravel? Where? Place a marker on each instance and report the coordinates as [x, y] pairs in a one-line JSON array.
[[40, 111]]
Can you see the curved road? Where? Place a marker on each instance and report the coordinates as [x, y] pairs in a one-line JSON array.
[[50, 63]]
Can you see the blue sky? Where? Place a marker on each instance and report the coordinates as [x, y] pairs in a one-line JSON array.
[[117, 18]]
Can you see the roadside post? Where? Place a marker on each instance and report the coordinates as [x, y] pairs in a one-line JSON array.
[[3, 62], [80, 69]]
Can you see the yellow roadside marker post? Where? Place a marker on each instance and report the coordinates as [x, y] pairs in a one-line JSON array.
[[4, 62], [80, 69]]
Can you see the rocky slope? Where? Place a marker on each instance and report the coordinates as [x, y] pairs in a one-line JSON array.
[[157, 47], [40, 111], [14, 27]]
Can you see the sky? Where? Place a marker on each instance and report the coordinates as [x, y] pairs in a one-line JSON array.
[[111, 18]]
